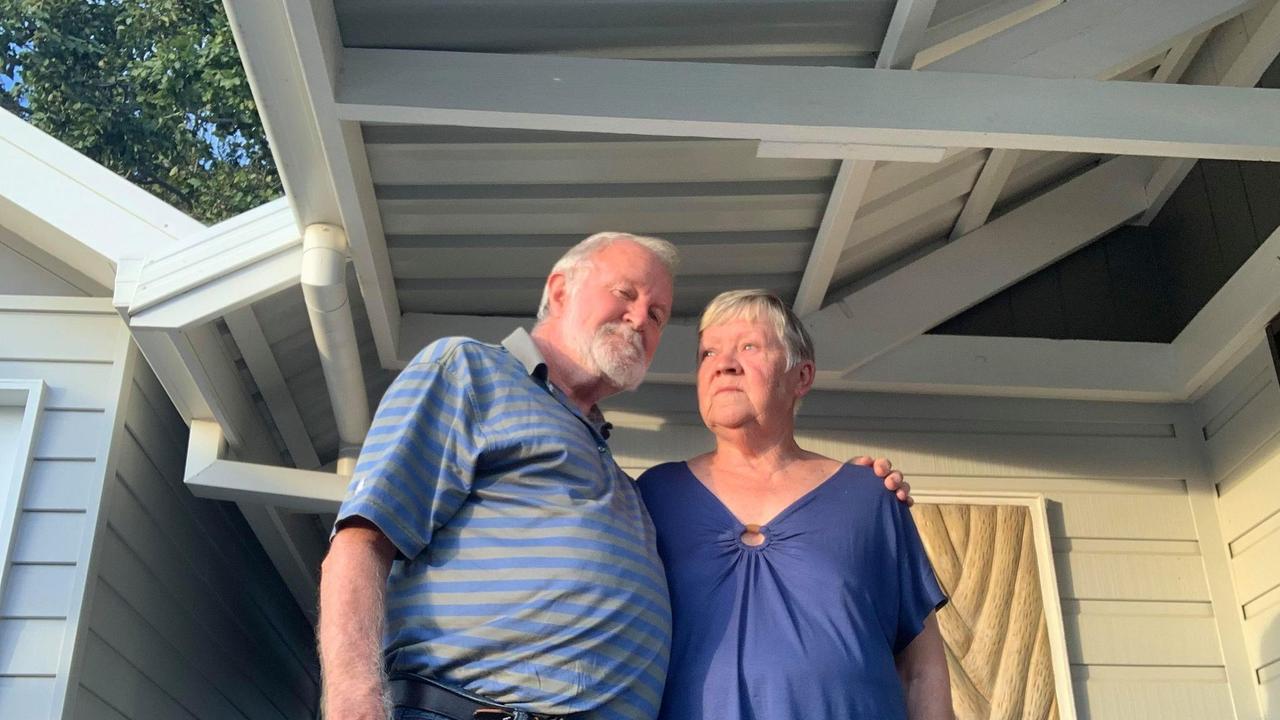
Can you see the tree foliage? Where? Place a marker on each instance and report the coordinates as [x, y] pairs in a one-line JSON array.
[[152, 89]]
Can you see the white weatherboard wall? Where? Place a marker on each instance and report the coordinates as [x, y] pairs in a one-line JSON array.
[[128, 597], [1241, 424], [188, 619], [76, 346], [1142, 634]]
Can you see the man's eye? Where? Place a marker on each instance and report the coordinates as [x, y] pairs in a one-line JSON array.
[[748, 346]]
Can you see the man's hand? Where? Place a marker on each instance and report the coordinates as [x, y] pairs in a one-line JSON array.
[[893, 481]]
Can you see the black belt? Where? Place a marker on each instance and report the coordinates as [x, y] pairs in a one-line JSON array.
[[422, 693]]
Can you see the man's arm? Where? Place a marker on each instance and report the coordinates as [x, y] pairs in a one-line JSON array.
[[353, 583], [922, 667], [893, 481]]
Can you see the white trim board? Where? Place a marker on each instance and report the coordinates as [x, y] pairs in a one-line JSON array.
[[28, 395], [928, 364], [290, 50], [1050, 597], [74, 209], [807, 104]]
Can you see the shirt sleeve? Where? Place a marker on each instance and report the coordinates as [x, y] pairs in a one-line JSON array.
[[918, 590], [419, 459]]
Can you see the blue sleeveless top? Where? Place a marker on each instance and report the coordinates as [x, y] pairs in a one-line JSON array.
[[804, 625]]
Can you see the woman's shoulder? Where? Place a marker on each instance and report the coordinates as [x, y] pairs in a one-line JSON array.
[[862, 483], [664, 472]]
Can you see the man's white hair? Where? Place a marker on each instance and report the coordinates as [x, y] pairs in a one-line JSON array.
[[578, 258]]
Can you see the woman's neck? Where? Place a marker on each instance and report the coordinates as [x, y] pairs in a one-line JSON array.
[[756, 449]]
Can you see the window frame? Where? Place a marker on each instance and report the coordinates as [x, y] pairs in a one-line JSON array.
[[28, 395]]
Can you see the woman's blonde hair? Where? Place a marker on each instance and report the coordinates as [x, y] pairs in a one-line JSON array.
[[761, 305]]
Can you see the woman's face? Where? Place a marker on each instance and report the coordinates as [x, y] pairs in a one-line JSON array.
[[742, 376]]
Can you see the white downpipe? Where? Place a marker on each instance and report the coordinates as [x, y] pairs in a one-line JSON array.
[[324, 283]]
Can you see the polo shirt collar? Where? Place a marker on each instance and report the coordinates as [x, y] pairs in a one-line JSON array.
[[521, 346]]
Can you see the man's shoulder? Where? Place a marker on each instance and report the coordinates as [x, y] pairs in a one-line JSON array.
[[456, 352]]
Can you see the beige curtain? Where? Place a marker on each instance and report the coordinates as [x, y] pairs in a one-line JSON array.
[[994, 627]]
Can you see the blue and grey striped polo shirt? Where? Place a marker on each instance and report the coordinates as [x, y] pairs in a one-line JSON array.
[[527, 568]]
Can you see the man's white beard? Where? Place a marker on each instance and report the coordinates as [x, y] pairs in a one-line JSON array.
[[616, 353]]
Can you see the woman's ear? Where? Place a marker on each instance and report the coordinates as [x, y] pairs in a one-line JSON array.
[[808, 372]]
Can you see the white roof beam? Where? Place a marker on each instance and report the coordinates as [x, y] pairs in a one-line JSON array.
[[849, 151], [906, 34], [902, 41], [1175, 63], [292, 53], [1245, 72], [836, 105], [986, 191], [1232, 322], [833, 233], [1024, 367], [904, 304], [930, 364], [258, 357], [1088, 24], [1107, 36], [973, 27]]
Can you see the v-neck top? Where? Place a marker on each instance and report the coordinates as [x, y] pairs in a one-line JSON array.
[[805, 624]]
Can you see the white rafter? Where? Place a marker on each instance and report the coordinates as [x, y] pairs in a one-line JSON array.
[[1232, 321], [1257, 55], [906, 34], [1080, 21], [986, 191], [1180, 57], [1107, 36], [902, 40], [904, 304], [833, 233], [976, 26], [256, 351], [807, 104], [292, 52]]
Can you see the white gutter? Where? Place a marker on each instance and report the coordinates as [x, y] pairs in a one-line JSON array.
[[324, 284]]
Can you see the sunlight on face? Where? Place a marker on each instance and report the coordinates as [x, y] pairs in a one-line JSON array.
[[742, 376]]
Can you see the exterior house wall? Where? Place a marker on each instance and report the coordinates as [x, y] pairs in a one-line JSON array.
[[78, 348], [127, 597], [1126, 492], [188, 618], [1240, 417]]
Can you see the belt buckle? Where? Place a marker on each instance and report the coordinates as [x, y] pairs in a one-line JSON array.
[[497, 714]]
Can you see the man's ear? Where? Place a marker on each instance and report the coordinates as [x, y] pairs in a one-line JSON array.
[[557, 293]]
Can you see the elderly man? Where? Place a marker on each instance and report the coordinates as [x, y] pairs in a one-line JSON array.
[[487, 522]]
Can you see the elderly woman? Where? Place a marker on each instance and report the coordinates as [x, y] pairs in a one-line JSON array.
[[799, 588]]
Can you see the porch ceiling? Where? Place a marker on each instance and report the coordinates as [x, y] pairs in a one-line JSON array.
[[452, 228]]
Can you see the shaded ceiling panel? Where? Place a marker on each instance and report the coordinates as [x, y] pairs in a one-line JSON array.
[[745, 30]]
